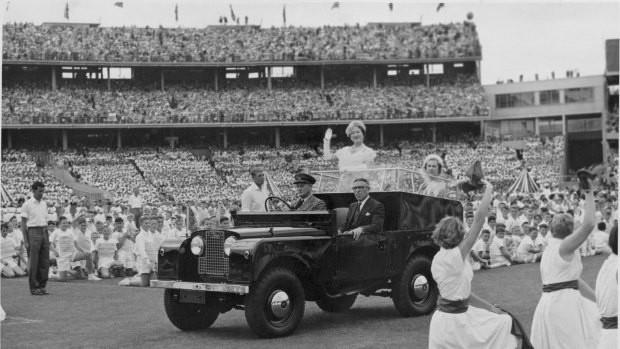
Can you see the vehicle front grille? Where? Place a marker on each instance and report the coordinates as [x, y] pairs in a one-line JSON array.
[[215, 262]]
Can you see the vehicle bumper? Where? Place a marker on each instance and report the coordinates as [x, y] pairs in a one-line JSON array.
[[201, 286]]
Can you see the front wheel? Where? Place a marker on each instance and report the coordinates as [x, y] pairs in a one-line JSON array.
[[275, 305], [188, 316], [414, 292]]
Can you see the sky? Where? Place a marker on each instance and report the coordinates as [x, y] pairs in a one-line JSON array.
[[525, 37]]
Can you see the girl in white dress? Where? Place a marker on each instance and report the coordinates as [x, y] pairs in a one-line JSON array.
[[463, 320], [607, 295], [566, 315], [351, 159]]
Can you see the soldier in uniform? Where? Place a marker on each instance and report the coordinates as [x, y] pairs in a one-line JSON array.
[[306, 201]]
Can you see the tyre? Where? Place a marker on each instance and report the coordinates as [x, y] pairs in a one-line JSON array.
[[188, 316], [336, 305], [414, 292], [275, 305]]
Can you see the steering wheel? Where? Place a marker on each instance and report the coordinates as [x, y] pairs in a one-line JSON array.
[[277, 198]]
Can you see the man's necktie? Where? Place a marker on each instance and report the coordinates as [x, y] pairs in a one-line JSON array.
[[356, 212], [299, 203]]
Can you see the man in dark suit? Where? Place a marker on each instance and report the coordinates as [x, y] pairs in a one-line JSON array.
[[307, 201], [366, 215]]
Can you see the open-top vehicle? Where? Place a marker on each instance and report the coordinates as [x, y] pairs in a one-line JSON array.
[[271, 263]]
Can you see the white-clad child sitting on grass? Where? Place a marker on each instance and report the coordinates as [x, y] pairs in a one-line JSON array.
[[498, 251], [105, 252], [528, 251], [9, 254], [69, 253], [125, 245]]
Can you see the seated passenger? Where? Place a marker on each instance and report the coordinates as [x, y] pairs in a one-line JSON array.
[[366, 215]]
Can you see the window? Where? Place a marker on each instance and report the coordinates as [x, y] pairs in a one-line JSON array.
[[579, 95], [550, 97], [392, 72], [459, 65], [253, 76], [514, 100], [280, 72], [232, 75], [435, 68], [414, 71]]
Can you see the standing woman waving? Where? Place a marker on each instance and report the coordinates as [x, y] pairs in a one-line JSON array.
[[566, 315], [463, 320], [351, 159]]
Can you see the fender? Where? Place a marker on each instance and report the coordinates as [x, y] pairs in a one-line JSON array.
[[261, 252]]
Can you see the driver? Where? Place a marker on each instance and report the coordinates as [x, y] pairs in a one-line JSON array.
[[253, 198], [306, 202]]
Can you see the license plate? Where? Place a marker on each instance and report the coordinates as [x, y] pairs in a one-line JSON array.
[[186, 296]]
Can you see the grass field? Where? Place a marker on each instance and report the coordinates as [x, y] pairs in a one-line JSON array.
[[83, 314]]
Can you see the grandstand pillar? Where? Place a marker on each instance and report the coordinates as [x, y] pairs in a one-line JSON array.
[[381, 135], [484, 136], [564, 125], [269, 78], [9, 140], [537, 126], [109, 82], [277, 138], [55, 139], [65, 140], [119, 143], [54, 78], [225, 138], [322, 78], [161, 78], [434, 130], [428, 76], [215, 79], [374, 78]]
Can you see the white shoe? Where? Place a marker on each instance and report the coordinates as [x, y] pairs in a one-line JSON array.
[[124, 282], [92, 277]]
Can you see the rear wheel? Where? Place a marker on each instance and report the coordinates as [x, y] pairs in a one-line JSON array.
[[336, 305], [275, 305], [188, 316], [414, 292]]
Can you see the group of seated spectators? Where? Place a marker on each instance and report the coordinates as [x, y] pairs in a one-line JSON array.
[[26, 41], [89, 102], [517, 229]]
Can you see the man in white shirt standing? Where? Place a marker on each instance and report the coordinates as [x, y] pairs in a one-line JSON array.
[[36, 239], [253, 198], [136, 202]]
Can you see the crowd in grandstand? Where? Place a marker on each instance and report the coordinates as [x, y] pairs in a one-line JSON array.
[[87, 102], [25, 41]]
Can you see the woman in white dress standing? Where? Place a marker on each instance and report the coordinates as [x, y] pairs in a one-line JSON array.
[[351, 159], [463, 320], [607, 295], [566, 315]]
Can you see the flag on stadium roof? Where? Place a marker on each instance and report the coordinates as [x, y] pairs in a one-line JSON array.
[[391, 6], [67, 11], [440, 6], [6, 197], [335, 5], [284, 14], [119, 4], [176, 12], [232, 14]]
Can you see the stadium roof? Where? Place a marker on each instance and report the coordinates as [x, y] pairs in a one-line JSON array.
[[241, 64]]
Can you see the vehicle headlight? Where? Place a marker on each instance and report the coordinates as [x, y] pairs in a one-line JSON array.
[[228, 244], [197, 245]]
